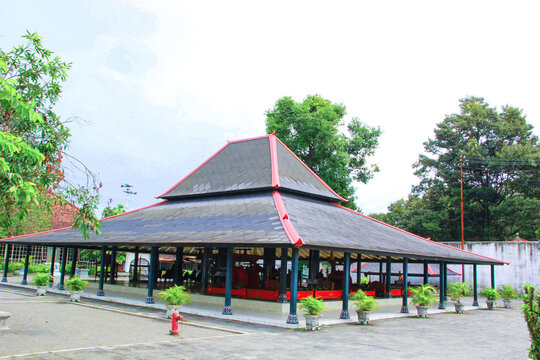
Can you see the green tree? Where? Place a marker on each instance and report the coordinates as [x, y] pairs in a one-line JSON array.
[[315, 131], [33, 139], [417, 215], [111, 211], [500, 172]]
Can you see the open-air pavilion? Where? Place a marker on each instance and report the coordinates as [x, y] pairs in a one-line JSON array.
[[249, 207]]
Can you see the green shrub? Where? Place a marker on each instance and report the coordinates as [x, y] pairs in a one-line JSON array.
[[15, 266], [456, 291], [175, 295], [42, 279], [490, 293], [312, 306], [507, 292], [364, 302], [423, 295], [76, 284], [38, 268], [531, 313]]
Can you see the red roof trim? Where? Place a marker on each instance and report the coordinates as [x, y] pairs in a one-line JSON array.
[[273, 161], [37, 233], [191, 173], [418, 236], [69, 227], [430, 270], [132, 211], [286, 221], [317, 176]]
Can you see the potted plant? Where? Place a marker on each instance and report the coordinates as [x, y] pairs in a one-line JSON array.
[[364, 304], [423, 297], [41, 280], [508, 293], [457, 291], [491, 295], [174, 297], [75, 286], [312, 311]]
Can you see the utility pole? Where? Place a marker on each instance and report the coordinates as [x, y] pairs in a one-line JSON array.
[[128, 192], [462, 220]]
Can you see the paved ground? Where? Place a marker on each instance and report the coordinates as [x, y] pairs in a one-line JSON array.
[[51, 328]]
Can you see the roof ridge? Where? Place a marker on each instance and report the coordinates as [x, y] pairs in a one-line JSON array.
[[286, 222], [274, 164]]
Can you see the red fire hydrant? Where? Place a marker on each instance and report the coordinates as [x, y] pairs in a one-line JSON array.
[[176, 317]]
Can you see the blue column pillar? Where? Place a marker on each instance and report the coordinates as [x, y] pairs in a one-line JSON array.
[[388, 277], [441, 286], [404, 307], [282, 298], [314, 263], [63, 268], [204, 270], [178, 266], [293, 318], [100, 291], [74, 261], [154, 258], [346, 274], [26, 265], [475, 286], [381, 280], [136, 265], [359, 270], [493, 276], [426, 273], [53, 259], [227, 310], [6, 263], [112, 272], [445, 280]]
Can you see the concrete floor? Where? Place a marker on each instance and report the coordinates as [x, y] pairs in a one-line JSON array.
[[257, 311], [50, 327]]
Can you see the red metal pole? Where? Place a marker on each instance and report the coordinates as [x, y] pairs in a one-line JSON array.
[[462, 220]]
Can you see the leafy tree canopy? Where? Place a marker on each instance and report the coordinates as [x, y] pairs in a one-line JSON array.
[[500, 177], [114, 210], [315, 131], [33, 139]]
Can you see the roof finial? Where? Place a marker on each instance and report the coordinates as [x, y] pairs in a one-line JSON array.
[[274, 133]]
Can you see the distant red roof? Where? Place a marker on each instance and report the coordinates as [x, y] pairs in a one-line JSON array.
[[519, 239], [62, 216]]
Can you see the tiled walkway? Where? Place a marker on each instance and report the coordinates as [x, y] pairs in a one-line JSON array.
[[388, 308]]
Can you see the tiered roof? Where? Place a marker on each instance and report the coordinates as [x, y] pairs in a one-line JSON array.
[[256, 193]]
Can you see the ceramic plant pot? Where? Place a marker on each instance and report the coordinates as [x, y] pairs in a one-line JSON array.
[[422, 310], [41, 290], [312, 322], [507, 303], [363, 317], [490, 304], [459, 307], [170, 310], [75, 296]]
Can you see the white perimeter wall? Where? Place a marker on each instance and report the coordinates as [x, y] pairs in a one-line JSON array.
[[524, 258]]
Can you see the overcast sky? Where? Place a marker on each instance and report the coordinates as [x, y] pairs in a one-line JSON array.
[[162, 85]]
